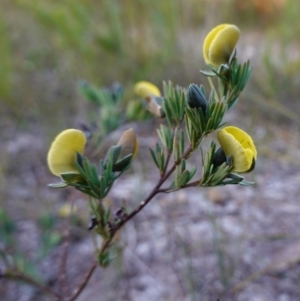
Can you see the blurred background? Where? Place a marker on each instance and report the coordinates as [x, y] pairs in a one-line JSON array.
[[232, 243]]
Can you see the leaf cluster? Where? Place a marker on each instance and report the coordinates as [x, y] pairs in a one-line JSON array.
[[174, 104], [198, 124]]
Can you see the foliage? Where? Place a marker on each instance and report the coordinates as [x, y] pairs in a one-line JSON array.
[[188, 113]]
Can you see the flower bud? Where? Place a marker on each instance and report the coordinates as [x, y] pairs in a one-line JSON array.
[[196, 98], [129, 143], [219, 157], [129, 150]]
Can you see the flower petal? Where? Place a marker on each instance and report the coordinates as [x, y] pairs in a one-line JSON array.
[[220, 43], [62, 153], [243, 138], [145, 89], [242, 157], [208, 40]]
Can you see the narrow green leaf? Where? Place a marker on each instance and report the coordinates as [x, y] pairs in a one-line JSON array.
[[192, 172], [181, 144], [153, 157], [183, 179]]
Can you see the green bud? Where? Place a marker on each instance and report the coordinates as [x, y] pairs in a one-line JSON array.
[[219, 157], [196, 98]]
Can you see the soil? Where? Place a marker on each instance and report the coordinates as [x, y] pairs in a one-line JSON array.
[[227, 243]]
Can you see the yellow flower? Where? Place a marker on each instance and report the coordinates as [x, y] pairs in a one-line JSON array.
[[220, 43], [145, 89], [62, 153], [129, 143], [238, 144]]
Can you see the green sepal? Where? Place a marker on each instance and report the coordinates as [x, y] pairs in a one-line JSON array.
[[235, 177], [113, 153], [58, 185], [219, 157], [208, 73], [122, 164], [222, 72], [71, 177], [246, 183]]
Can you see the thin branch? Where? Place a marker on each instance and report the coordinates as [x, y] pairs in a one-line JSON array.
[[64, 289], [192, 184], [14, 275], [154, 191], [107, 242], [83, 283]]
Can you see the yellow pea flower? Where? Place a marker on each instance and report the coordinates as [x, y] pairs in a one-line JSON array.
[[220, 43], [129, 143], [145, 89], [62, 153], [238, 144]]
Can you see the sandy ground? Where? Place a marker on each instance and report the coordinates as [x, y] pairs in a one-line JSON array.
[[228, 243]]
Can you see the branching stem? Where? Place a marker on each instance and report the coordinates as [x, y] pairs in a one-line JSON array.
[[16, 275]]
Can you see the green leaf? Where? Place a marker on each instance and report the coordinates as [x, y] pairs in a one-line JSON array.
[[165, 135], [183, 179], [153, 155], [174, 104], [192, 172]]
